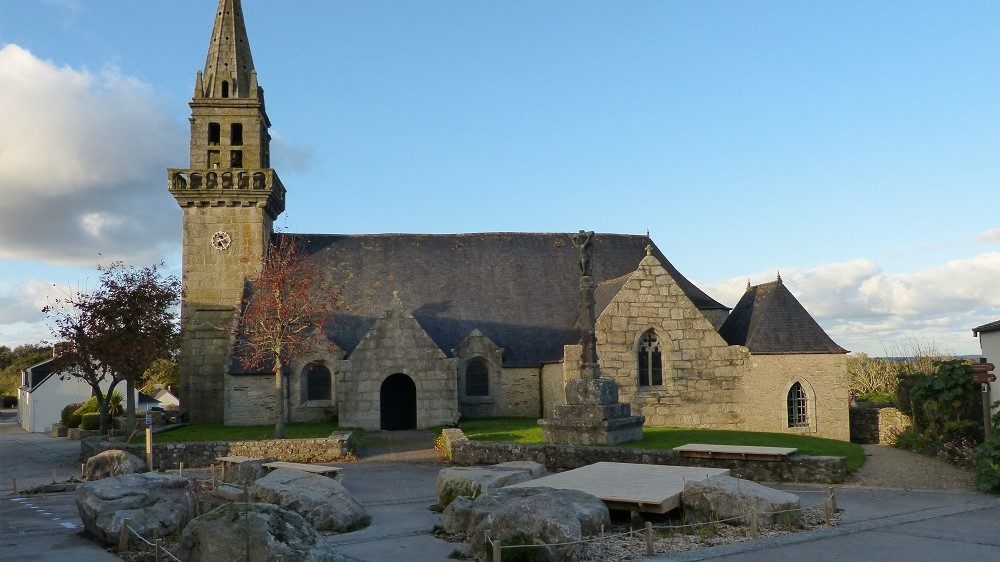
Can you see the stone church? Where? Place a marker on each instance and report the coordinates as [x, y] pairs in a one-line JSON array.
[[431, 328]]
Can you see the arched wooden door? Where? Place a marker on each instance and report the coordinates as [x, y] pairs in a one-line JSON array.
[[398, 400]]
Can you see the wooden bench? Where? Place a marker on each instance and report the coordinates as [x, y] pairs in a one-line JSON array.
[[321, 469], [740, 452], [227, 462]]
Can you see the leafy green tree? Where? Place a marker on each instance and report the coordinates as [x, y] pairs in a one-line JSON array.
[[160, 374], [117, 331]]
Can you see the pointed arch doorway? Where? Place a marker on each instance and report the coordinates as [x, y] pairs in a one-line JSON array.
[[398, 401]]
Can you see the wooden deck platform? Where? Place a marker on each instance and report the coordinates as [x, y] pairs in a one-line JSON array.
[[742, 452], [648, 488]]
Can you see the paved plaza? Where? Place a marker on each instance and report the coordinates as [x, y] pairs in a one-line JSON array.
[[395, 482]]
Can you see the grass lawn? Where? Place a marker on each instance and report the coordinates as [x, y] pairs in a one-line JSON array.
[[526, 430], [242, 432]]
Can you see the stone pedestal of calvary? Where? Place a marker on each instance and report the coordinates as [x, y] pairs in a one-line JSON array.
[[592, 414]]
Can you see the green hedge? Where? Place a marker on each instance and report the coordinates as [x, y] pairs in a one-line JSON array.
[[68, 417], [91, 420]]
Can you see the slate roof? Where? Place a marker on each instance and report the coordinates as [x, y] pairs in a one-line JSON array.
[[39, 372], [770, 320], [520, 289], [990, 327]]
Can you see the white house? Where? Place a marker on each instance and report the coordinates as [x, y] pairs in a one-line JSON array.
[[989, 341], [167, 399], [45, 391]]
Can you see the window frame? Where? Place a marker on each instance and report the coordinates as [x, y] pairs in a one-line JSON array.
[[649, 360], [309, 373], [797, 403], [484, 384]]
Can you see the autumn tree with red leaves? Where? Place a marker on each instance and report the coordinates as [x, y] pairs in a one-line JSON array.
[[285, 311], [117, 331]]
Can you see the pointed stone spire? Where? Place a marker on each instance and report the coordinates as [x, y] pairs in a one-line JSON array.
[[229, 66], [779, 278], [748, 283]]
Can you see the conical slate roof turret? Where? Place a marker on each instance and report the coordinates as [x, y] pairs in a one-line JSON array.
[[770, 320]]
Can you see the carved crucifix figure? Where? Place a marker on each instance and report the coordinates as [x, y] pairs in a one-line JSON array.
[[582, 241]]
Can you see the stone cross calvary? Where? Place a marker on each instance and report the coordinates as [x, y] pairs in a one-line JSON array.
[[588, 320]]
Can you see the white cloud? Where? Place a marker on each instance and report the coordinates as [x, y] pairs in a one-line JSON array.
[[991, 236], [82, 164], [24, 303], [867, 309]]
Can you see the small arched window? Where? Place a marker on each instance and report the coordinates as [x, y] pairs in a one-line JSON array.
[[477, 378], [225, 89], [317, 382], [798, 410], [650, 360]]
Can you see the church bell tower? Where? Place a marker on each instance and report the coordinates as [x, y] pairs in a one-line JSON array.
[[230, 197]]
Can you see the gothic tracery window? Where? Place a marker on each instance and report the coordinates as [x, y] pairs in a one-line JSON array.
[[650, 360], [798, 411]]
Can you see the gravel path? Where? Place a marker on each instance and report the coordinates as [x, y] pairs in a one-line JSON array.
[[889, 467]]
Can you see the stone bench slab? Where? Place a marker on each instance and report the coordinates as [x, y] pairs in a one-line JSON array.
[[748, 452]]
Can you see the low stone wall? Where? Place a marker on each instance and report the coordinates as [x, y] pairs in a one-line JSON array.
[[875, 424], [203, 453], [796, 468]]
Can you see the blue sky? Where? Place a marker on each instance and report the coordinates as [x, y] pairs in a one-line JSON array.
[[855, 146]]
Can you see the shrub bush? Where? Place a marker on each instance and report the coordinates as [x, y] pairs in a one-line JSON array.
[[68, 418], [911, 439], [91, 405], [988, 465], [877, 398], [91, 420]]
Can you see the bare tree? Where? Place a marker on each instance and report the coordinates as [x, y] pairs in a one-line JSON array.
[[285, 310]]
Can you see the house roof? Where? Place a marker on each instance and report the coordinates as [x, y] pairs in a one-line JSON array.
[[989, 327], [39, 372], [770, 320], [520, 289]]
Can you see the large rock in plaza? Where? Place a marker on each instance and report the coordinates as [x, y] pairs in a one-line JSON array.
[[113, 462], [246, 472], [323, 502], [155, 505], [253, 532], [724, 497], [533, 515], [472, 481]]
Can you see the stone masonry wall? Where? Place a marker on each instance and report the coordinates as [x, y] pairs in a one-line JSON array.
[[213, 284], [338, 446], [702, 374], [519, 392], [250, 400], [823, 377], [877, 425], [796, 468], [397, 344], [553, 388]]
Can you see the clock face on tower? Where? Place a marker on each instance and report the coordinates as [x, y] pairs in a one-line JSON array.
[[221, 240]]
